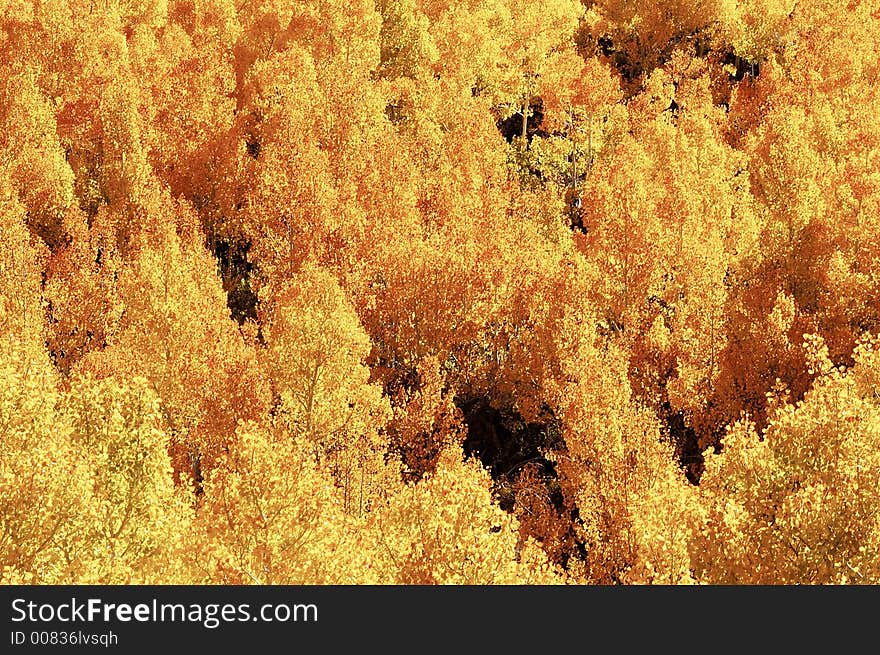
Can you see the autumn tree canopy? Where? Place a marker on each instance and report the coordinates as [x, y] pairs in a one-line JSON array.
[[439, 291]]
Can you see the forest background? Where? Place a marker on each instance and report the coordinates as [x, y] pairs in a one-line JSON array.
[[439, 291]]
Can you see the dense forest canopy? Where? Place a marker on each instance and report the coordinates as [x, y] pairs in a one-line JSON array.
[[439, 291]]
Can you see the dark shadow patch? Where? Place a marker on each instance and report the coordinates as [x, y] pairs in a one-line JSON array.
[[512, 127], [505, 443], [743, 67], [253, 148], [688, 452], [235, 272]]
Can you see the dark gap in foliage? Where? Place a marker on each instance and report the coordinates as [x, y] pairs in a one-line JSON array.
[[235, 272], [397, 112], [630, 61], [253, 148], [605, 45], [744, 67], [575, 210], [511, 127], [50, 229], [505, 442], [687, 445], [527, 483]]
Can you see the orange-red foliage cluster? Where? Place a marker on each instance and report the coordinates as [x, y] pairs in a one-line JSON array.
[[439, 291]]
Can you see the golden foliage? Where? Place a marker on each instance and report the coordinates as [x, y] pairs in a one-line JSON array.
[[439, 291]]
